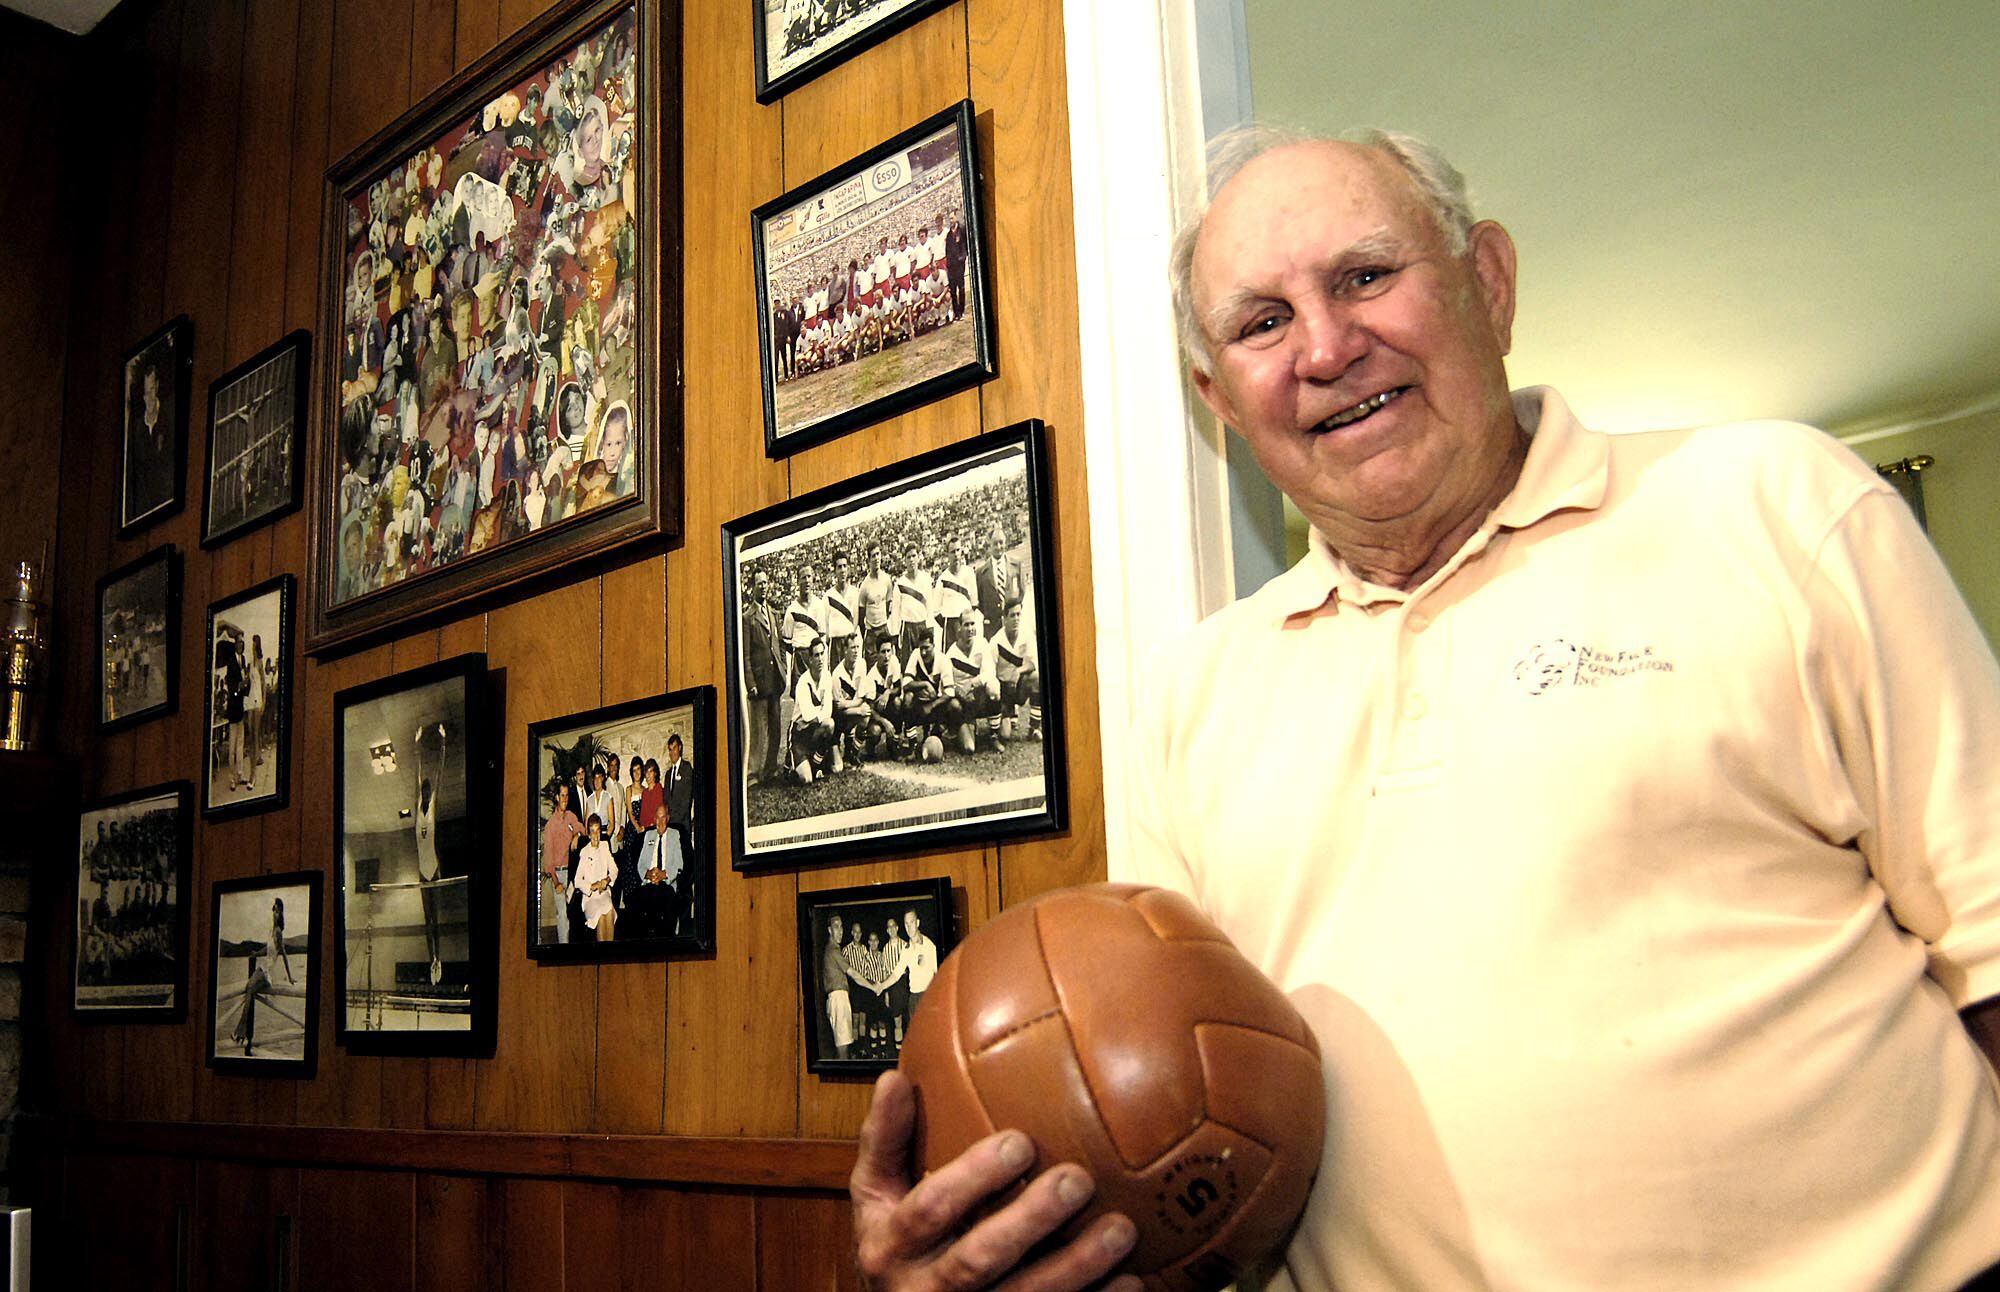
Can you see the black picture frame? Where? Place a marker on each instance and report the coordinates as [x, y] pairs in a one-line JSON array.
[[131, 904], [876, 1019], [413, 1005], [936, 358], [680, 919], [955, 494], [622, 242], [269, 395], [864, 26], [255, 604], [130, 649], [239, 917], [152, 467]]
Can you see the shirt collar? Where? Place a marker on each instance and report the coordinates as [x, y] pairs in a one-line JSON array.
[[1568, 467]]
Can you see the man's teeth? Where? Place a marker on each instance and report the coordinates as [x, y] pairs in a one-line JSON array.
[[1360, 410]]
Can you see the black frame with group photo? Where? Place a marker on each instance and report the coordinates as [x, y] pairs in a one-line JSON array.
[[244, 930], [656, 909], [161, 567], [931, 334], [132, 908], [157, 471], [251, 668], [874, 1024], [435, 879], [784, 28]]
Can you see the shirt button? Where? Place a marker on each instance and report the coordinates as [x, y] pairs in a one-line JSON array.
[[1417, 622], [1414, 706]]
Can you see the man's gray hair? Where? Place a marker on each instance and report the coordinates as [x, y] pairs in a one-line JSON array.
[[1438, 183]]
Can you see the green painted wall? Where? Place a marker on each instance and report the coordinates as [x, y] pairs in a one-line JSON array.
[[1962, 499]]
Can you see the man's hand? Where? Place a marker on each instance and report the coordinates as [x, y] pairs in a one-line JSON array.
[[915, 1239]]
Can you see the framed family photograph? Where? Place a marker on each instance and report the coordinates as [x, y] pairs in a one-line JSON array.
[[866, 957], [249, 697], [131, 916], [256, 415], [416, 783], [799, 39], [894, 669], [154, 411], [621, 847], [263, 975], [501, 300], [139, 640], [872, 286]]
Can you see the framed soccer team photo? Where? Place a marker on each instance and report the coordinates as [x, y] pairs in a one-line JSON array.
[[416, 911], [799, 39], [866, 957], [500, 326], [256, 414], [132, 854], [263, 975], [152, 467], [893, 664], [872, 287], [139, 640], [621, 844], [249, 698]]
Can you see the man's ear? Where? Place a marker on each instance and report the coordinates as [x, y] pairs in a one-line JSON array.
[[1213, 395], [1492, 254]]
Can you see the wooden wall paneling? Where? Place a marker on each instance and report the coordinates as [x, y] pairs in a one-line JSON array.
[[356, 1230], [529, 1233], [591, 1236], [145, 1195], [516, 14], [371, 71], [685, 1240], [433, 45], [233, 1235], [1017, 63], [457, 1222], [476, 29], [803, 1244], [632, 997], [551, 647], [731, 1039]]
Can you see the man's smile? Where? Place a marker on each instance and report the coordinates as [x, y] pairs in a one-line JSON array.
[[1349, 416]]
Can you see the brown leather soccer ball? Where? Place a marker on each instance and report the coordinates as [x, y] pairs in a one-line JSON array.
[[1121, 1030]]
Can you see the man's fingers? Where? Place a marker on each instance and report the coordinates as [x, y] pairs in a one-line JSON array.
[[942, 1203], [1083, 1261], [882, 1166], [986, 1253]]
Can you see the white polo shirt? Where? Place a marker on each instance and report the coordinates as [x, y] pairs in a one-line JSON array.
[[1631, 872]]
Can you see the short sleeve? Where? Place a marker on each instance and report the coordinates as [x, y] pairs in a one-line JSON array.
[[1153, 855]]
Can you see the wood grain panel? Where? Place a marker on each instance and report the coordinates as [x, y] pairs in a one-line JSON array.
[[236, 1206], [591, 1236], [433, 45], [541, 1074], [530, 1235], [371, 70], [516, 14], [149, 1197], [476, 30], [685, 1241], [456, 1215], [803, 1244], [356, 1231], [264, 158]]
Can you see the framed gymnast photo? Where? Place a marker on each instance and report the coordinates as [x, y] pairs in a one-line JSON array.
[[263, 974], [500, 327], [249, 701], [416, 911], [256, 415], [799, 39], [152, 464], [621, 835], [866, 957], [132, 853], [139, 640], [872, 286], [892, 659]]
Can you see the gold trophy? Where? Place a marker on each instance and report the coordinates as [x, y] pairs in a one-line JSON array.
[[24, 643]]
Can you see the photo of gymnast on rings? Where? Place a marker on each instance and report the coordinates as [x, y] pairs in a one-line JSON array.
[[415, 766]]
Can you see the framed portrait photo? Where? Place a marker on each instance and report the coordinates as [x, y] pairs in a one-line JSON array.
[[416, 770], [256, 415], [263, 975], [152, 468], [501, 320], [872, 286], [894, 668], [621, 850], [139, 640], [131, 916], [866, 957], [799, 39], [249, 701]]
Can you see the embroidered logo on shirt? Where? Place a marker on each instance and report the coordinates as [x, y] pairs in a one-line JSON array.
[[1561, 663]]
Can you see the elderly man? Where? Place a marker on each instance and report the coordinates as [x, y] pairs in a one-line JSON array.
[[1640, 851]]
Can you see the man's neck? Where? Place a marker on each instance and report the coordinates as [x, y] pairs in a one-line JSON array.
[[1403, 553]]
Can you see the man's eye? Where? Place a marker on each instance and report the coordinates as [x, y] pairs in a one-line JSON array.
[[1262, 326], [1368, 276]]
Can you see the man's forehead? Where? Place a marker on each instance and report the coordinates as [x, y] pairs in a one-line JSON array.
[[1339, 193]]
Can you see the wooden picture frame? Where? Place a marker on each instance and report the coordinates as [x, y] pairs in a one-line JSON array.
[[254, 470], [872, 1038], [139, 640], [853, 327], [999, 738], [416, 898], [673, 914], [260, 1024], [793, 48], [254, 626], [131, 925], [469, 440], [153, 418]]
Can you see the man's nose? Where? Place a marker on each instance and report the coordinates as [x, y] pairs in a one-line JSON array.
[[1330, 339]]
